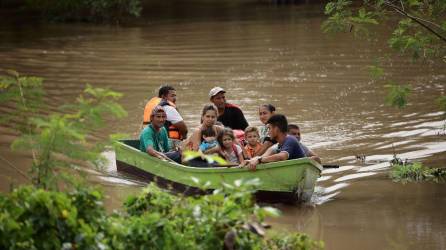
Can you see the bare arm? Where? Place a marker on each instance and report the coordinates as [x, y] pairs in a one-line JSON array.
[[268, 152], [314, 156], [156, 154], [213, 150], [265, 146], [195, 139], [241, 159], [252, 164]]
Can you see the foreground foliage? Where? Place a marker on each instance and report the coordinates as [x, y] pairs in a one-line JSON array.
[[32, 218]]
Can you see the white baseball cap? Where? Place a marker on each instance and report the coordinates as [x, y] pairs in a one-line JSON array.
[[215, 90]]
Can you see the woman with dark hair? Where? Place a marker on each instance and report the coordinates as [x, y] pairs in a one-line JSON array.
[[208, 119], [265, 112]]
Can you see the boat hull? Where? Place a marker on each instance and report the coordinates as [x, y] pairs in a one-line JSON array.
[[290, 181]]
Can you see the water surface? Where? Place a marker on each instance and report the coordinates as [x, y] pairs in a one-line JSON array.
[[260, 54]]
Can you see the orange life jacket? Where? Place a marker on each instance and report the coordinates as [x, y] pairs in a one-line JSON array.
[[172, 131]]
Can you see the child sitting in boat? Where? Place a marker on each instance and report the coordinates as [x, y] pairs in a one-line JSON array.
[[230, 150], [253, 145], [209, 139]]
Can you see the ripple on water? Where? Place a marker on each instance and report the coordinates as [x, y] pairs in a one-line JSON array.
[[337, 170], [354, 176]]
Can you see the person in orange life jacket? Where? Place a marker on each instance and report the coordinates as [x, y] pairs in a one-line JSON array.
[[289, 148], [175, 125], [153, 139], [229, 114]]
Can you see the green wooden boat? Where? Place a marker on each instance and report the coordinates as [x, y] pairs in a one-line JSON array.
[[284, 181]]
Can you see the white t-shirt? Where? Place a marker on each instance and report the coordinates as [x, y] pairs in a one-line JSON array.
[[172, 114]]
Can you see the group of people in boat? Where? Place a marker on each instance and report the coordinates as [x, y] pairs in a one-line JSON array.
[[223, 130]]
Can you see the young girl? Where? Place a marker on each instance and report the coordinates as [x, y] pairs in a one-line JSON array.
[[253, 145], [231, 151]]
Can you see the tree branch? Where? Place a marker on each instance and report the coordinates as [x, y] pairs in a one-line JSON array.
[[418, 20]]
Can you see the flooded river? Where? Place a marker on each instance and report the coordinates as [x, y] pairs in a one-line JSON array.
[[261, 54]]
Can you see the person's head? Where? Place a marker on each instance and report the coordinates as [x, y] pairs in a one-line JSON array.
[[278, 125], [265, 112], [217, 97], [252, 135], [226, 138], [209, 115], [158, 117], [168, 93], [208, 134], [294, 130]]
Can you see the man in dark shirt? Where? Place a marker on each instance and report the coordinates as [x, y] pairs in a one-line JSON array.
[[289, 147], [228, 114]]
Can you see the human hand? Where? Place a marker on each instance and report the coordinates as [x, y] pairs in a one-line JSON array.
[[252, 164]]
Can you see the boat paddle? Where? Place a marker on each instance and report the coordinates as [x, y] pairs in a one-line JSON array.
[[330, 166]]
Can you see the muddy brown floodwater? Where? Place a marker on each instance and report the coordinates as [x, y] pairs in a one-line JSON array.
[[261, 54]]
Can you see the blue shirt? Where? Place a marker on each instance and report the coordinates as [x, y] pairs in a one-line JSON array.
[[207, 145], [292, 147], [156, 140]]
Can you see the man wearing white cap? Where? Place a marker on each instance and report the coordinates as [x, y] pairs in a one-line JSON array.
[[228, 114]]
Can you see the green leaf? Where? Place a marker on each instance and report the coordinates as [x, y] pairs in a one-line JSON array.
[[376, 72], [441, 101], [398, 94]]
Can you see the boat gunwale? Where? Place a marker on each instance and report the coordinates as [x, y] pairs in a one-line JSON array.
[[186, 168]]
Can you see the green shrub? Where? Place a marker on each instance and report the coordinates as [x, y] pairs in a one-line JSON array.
[[85, 10], [33, 218], [415, 172]]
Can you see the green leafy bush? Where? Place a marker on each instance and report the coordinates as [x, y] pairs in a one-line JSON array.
[[397, 96], [37, 219], [415, 172], [32, 218], [85, 10]]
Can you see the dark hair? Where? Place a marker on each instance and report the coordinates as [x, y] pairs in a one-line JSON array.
[[164, 90], [206, 108], [225, 131], [292, 126], [269, 107], [279, 121], [208, 132]]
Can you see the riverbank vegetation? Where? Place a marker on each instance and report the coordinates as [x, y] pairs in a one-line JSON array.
[[416, 172], [61, 211], [78, 10]]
